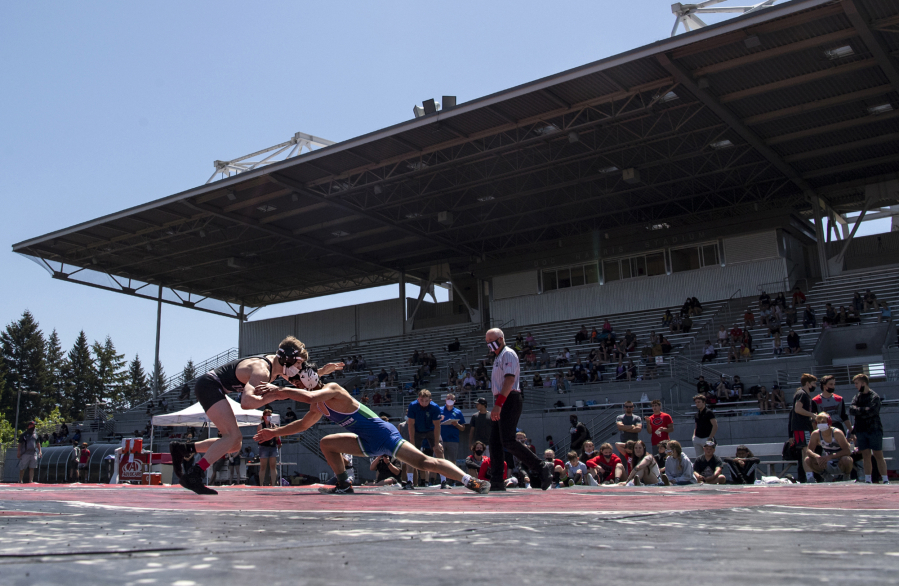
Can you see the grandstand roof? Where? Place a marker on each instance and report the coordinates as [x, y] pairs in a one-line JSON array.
[[769, 110]]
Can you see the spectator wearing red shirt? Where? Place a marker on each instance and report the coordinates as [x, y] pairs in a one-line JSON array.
[[798, 296], [736, 334], [659, 425], [485, 471], [607, 467], [558, 466], [83, 459]]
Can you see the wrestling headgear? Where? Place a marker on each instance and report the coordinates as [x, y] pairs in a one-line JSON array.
[[287, 356], [308, 377]]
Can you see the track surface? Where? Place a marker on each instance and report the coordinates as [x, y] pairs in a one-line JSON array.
[[97, 534]]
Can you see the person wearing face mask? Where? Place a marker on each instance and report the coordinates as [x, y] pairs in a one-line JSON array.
[[453, 421], [474, 460], [242, 376], [506, 387], [802, 416], [606, 467], [831, 403], [835, 453], [268, 451], [589, 451], [579, 433]]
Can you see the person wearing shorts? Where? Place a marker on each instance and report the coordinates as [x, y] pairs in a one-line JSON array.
[[423, 419], [868, 428], [366, 433], [802, 416], [29, 452]]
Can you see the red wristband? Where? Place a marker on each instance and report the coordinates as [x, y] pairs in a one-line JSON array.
[[499, 400]]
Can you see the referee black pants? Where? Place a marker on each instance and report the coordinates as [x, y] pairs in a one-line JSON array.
[[502, 440]]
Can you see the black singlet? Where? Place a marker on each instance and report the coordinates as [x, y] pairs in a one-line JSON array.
[[227, 374]]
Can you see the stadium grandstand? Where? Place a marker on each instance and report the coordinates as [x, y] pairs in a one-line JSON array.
[[702, 176]]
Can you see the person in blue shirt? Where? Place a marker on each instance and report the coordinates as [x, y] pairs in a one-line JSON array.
[[451, 422], [421, 417]]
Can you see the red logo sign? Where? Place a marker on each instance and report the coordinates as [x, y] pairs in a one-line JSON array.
[[131, 466]]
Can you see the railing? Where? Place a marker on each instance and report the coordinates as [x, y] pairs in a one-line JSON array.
[[599, 426], [202, 368], [843, 374], [545, 398]]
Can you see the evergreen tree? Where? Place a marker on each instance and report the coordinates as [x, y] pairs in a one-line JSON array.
[[81, 377], [56, 377], [111, 373], [22, 346], [190, 371], [162, 385], [137, 387]]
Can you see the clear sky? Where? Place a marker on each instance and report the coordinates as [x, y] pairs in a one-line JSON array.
[[106, 105]]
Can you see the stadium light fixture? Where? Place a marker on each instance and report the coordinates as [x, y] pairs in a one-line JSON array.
[[631, 176], [573, 137], [484, 198], [607, 170], [839, 52], [880, 109], [339, 234], [721, 144], [377, 189], [548, 129], [669, 97], [202, 234], [266, 208], [413, 215]]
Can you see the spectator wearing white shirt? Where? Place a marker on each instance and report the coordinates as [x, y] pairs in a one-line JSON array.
[[575, 469]]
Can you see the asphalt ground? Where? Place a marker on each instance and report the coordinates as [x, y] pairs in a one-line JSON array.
[[99, 534]]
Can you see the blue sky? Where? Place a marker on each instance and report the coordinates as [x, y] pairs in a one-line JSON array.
[[106, 105]]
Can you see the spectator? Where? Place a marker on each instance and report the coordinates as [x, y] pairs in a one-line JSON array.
[[164, 404], [702, 387], [588, 452], [686, 324], [745, 351], [422, 416], [678, 467], [667, 319], [606, 468], [84, 458], [452, 422], [289, 416], [387, 470], [857, 303], [868, 428], [563, 358], [480, 424], [722, 336], [543, 359], [793, 342], [675, 325], [869, 301], [886, 314], [835, 457], [661, 425], [790, 316], [696, 309], [666, 345], [764, 299], [529, 339], [607, 330], [765, 314], [687, 307], [575, 470], [530, 359], [736, 334], [454, 346], [470, 382], [569, 379], [742, 467], [28, 452], [707, 467], [393, 376], [630, 341], [234, 467], [809, 318], [777, 345], [484, 474], [774, 324], [736, 389], [802, 417], [620, 371], [580, 373], [660, 456], [629, 425], [594, 336], [538, 381], [777, 396], [764, 399], [631, 370], [475, 460], [706, 425], [581, 336], [722, 392], [748, 319], [832, 404], [579, 433], [268, 452]]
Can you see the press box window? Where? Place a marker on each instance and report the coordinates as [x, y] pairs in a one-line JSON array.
[[637, 266], [694, 257], [569, 277]]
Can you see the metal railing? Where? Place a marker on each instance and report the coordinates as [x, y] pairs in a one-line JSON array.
[[176, 380], [599, 426]]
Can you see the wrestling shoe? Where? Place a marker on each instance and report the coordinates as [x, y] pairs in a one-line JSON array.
[[408, 485], [443, 485], [479, 486], [546, 475], [193, 480], [348, 489], [180, 452]]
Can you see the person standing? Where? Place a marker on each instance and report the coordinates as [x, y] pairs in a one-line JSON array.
[[629, 425], [421, 417], [705, 427], [802, 417], [660, 424], [452, 422], [832, 404], [579, 433], [268, 451], [506, 387], [868, 428], [480, 425], [29, 452]]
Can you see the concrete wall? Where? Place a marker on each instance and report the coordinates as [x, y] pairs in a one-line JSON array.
[[837, 346]]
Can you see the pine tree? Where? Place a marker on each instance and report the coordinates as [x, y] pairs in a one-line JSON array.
[[137, 387], [190, 371], [162, 385], [56, 380], [22, 345], [111, 373], [81, 377]]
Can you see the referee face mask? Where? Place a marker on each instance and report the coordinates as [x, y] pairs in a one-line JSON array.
[[496, 345]]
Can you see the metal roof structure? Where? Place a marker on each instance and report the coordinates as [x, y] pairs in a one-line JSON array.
[[780, 108]]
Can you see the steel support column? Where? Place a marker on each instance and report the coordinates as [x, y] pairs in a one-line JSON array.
[[819, 236], [403, 298], [158, 329]]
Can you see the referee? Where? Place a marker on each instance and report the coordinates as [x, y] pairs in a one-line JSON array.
[[506, 411]]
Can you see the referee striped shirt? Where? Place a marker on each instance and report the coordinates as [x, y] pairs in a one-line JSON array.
[[506, 363]]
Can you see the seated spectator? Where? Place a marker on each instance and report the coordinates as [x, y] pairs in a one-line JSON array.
[[765, 314], [707, 467], [764, 399], [678, 467], [538, 380], [620, 371], [798, 296], [575, 470], [371, 381], [745, 352], [631, 370], [722, 336], [383, 376], [530, 341], [630, 341], [780, 300], [764, 299], [869, 301], [452, 378], [414, 359], [846, 317], [858, 305], [588, 451], [733, 352], [702, 387], [666, 345], [393, 376], [778, 346], [376, 398], [835, 457], [645, 470], [686, 324], [606, 468], [594, 336], [474, 460], [581, 336], [793, 342], [722, 389], [790, 316], [736, 334], [686, 307], [660, 456], [543, 358], [886, 314], [736, 389], [696, 309], [830, 314], [667, 318], [777, 396], [675, 325], [773, 325], [743, 466], [809, 318], [289, 416], [570, 379], [563, 358]]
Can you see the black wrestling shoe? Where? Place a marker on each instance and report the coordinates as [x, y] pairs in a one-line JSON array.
[[408, 485], [443, 485], [180, 452], [193, 480], [479, 486], [348, 489], [546, 475]]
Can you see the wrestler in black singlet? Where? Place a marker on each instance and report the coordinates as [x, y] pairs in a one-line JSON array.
[[212, 386]]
